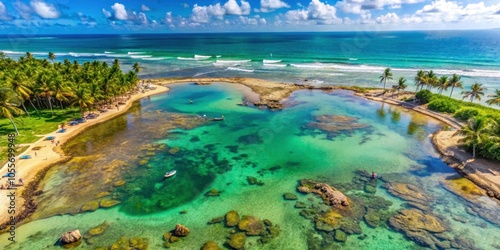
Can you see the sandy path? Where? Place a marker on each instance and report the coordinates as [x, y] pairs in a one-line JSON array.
[[50, 153]]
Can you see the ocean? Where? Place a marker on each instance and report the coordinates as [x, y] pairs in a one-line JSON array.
[[340, 58]]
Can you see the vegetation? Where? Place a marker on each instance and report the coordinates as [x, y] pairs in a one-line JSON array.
[[475, 92], [387, 75], [476, 133], [34, 90]]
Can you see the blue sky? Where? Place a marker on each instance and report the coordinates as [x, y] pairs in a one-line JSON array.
[[165, 16]]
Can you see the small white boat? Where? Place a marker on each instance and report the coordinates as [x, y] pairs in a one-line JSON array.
[[170, 173]]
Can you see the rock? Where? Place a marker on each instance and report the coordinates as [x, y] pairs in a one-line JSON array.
[[183, 212], [253, 181], [370, 189], [91, 206], [71, 237], [108, 203], [372, 218], [268, 223], [236, 241], [362, 237], [119, 183], [350, 226], [166, 236], [300, 204], [290, 196], [216, 220], [97, 230], [173, 239], [340, 236], [102, 194], [174, 150], [213, 192], [181, 230], [211, 245], [328, 221], [418, 227], [232, 218], [330, 195], [138, 243], [409, 193], [251, 225]]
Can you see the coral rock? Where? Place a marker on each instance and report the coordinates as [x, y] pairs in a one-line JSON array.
[[181, 230], [232, 218], [71, 237], [236, 241]]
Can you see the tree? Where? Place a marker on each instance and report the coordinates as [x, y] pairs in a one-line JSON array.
[[419, 79], [442, 84], [136, 67], [17, 82], [82, 98], [401, 84], [9, 103], [52, 56], [454, 82], [430, 80], [475, 93], [474, 133], [495, 99], [387, 75]]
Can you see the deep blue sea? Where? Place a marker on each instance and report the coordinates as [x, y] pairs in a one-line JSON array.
[[340, 58]]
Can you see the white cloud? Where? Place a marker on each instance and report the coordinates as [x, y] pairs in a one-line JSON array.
[[317, 11], [106, 13], [23, 9], [358, 6], [271, 5], [232, 7], [185, 5], [444, 11], [120, 11], [203, 14], [45, 10], [4, 16], [145, 8], [388, 18]]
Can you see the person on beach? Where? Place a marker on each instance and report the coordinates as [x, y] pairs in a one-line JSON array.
[[374, 175], [35, 154]]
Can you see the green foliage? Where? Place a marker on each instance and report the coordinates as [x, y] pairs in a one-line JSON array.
[[466, 113], [424, 96], [443, 105]]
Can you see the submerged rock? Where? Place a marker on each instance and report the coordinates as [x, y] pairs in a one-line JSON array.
[[108, 203], [211, 245], [410, 193], [250, 225], [97, 230], [216, 220], [330, 195], [181, 230], [213, 192], [236, 241], [289, 196], [232, 218], [71, 237], [91, 206], [372, 218], [340, 236], [253, 181]]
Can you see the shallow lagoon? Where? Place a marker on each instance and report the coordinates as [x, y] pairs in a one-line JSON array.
[[276, 147]]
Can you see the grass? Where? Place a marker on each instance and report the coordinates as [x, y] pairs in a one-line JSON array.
[[31, 129]]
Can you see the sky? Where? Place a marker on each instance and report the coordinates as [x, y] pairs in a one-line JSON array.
[[179, 16]]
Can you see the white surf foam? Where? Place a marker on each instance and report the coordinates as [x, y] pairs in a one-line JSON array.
[[141, 56], [265, 61], [230, 62], [135, 53], [201, 57], [240, 69], [274, 65]]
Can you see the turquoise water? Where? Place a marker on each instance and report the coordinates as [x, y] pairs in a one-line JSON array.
[[342, 58], [276, 147]]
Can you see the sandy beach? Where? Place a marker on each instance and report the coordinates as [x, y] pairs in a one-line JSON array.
[[49, 153]]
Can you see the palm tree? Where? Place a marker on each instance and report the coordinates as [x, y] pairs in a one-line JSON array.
[[401, 84], [17, 81], [430, 80], [455, 82], [475, 93], [474, 132], [52, 56], [136, 67], [387, 75], [419, 79], [9, 103], [83, 99], [495, 99], [442, 84]]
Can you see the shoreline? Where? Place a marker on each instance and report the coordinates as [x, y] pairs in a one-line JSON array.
[[50, 154], [271, 94]]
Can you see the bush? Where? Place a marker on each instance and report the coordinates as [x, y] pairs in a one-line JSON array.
[[466, 113], [424, 96], [443, 105]]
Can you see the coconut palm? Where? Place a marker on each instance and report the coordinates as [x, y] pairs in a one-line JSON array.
[[454, 82], [136, 67], [82, 98], [419, 79], [9, 103], [474, 133], [430, 80], [475, 93], [442, 84], [17, 81], [387, 75], [401, 84], [495, 99], [52, 56]]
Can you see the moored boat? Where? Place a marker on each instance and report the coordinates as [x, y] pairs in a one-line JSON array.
[[170, 173]]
